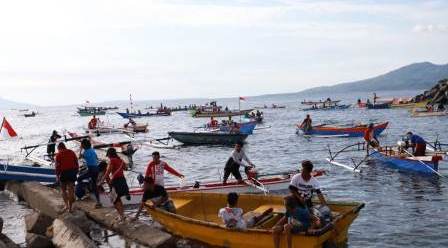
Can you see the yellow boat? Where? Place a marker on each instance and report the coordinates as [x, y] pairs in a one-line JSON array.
[[409, 105], [197, 218]]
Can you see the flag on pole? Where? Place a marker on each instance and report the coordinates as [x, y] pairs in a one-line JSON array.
[[6, 130], [242, 98]]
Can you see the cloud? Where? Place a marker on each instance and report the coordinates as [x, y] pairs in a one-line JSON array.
[[430, 28]]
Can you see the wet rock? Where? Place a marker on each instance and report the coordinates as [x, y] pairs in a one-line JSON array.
[[37, 241], [68, 235], [6, 242], [37, 223], [79, 219]]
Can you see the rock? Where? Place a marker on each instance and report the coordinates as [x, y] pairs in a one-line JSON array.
[[79, 219], [1, 225], [37, 223], [68, 235], [37, 241], [6, 242]]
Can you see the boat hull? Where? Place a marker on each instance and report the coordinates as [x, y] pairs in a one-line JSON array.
[[428, 114], [26, 174], [407, 164], [137, 115], [271, 184], [198, 220], [378, 105], [221, 113], [345, 132], [207, 138], [337, 107]]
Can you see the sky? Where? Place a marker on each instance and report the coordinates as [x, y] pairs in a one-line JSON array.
[[66, 52]]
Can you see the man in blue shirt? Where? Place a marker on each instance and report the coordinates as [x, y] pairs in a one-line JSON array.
[[418, 144], [91, 160]]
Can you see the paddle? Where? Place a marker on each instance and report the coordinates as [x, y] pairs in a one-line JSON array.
[[412, 155]]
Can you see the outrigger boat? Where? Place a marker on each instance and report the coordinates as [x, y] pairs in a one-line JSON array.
[[25, 173], [159, 112], [424, 113], [394, 156], [383, 105], [324, 105], [90, 111], [199, 113], [328, 131], [264, 184], [196, 218], [208, 138], [127, 129]]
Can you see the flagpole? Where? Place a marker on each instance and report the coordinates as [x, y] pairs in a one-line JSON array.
[[3, 121]]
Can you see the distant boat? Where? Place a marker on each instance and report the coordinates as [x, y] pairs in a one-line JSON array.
[[342, 131], [32, 114], [327, 107], [199, 113], [385, 105], [90, 111], [425, 113], [160, 112], [208, 138]]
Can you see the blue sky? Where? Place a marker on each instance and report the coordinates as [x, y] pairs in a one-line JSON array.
[[63, 52]]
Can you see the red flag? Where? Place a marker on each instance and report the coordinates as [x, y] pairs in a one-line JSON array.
[[242, 98], [6, 130]]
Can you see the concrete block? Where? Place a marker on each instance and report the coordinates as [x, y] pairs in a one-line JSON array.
[[68, 235], [37, 241], [37, 223]]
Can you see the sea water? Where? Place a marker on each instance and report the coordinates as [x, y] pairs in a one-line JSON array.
[[402, 209]]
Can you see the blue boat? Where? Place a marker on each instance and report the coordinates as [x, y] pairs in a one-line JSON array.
[[378, 105], [421, 164], [341, 131], [27, 173], [244, 127]]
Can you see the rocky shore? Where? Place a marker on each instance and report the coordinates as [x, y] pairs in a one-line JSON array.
[[437, 95]]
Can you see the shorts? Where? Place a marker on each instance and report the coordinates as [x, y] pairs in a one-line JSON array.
[[168, 206], [68, 176], [298, 229], [121, 188]]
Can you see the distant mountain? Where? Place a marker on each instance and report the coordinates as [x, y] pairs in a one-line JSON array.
[[7, 104], [417, 76]]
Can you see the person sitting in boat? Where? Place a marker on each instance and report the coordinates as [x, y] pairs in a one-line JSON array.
[[297, 219], [370, 137], [93, 122], [51, 147], [234, 162], [156, 168], [157, 195], [429, 108], [213, 123], [307, 124], [417, 143], [233, 216], [303, 185], [131, 122], [258, 114]]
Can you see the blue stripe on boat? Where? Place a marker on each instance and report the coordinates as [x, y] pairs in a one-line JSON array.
[[404, 164]]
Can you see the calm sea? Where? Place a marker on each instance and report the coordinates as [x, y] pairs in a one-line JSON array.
[[402, 209]]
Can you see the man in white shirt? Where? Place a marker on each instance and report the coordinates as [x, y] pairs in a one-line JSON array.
[[234, 162], [303, 185]]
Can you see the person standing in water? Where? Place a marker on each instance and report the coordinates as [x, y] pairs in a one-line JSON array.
[[156, 169], [91, 159], [234, 162]]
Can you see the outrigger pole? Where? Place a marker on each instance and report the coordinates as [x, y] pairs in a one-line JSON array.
[[359, 147], [34, 147]]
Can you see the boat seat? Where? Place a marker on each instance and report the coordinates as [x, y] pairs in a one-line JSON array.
[[276, 208], [179, 203]]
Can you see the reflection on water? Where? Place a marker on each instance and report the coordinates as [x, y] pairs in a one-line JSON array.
[[402, 209]]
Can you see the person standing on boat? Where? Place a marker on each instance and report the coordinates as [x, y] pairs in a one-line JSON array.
[[417, 143], [303, 185], [370, 137], [51, 147], [213, 123], [307, 124], [91, 159], [66, 170], [156, 168], [234, 162], [114, 176], [93, 122]]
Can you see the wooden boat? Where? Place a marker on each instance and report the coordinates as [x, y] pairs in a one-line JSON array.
[[383, 105], [320, 102], [396, 158], [26, 173], [425, 113], [32, 114], [197, 218], [342, 131], [198, 113], [90, 111], [263, 184], [127, 115], [139, 128], [208, 138], [327, 107], [125, 149]]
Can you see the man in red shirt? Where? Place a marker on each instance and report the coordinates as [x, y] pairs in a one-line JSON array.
[[156, 169], [66, 170], [370, 137]]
